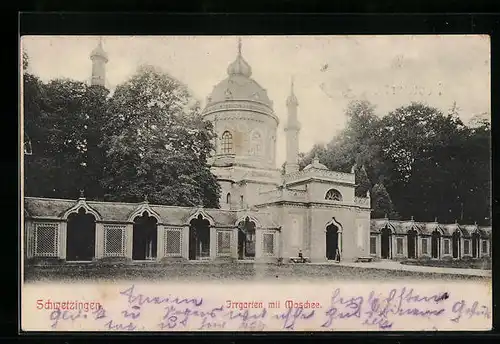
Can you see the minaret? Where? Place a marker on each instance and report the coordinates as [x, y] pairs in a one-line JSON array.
[[99, 59], [292, 129]]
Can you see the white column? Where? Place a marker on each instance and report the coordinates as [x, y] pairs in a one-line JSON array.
[[339, 240], [63, 229], [258, 243], [405, 246], [28, 234], [213, 242], [392, 244], [234, 243], [160, 242], [185, 242], [99, 240], [129, 240]]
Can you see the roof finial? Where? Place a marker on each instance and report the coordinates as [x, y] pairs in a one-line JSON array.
[[412, 219], [386, 216], [291, 85], [82, 194], [100, 41], [239, 46], [436, 219], [145, 198]]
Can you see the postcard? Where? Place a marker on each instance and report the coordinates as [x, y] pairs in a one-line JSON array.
[[256, 183]]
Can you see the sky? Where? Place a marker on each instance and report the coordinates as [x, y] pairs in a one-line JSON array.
[[328, 71]]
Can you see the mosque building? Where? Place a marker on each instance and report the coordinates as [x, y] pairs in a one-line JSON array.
[[264, 215]]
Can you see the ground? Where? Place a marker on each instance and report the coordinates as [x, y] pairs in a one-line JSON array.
[[238, 272], [482, 264]]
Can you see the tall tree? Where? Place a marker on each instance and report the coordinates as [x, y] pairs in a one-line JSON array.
[[62, 122], [381, 202], [157, 144], [363, 184]]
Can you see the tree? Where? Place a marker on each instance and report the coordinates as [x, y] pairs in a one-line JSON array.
[[363, 184], [25, 60], [381, 202], [157, 144], [63, 121]]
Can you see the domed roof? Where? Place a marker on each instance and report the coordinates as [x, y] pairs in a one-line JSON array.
[[316, 164], [238, 85]]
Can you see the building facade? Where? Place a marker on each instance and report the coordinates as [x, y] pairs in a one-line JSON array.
[[264, 215]]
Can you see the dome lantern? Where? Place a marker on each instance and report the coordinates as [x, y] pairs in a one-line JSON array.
[[239, 66]]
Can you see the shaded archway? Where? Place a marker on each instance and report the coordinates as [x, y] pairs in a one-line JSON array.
[[246, 239], [385, 243], [332, 242], [145, 237], [80, 236], [435, 244], [199, 238], [412, 243], [475, 245], [455, 244]]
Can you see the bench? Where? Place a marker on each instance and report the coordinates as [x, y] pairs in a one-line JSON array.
[[299, 260], [364, 259]]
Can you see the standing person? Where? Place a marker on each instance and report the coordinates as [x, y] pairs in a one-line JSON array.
[[337, 255]]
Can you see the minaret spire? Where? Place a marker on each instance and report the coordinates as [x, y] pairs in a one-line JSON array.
[[292, 129], [99, 59]]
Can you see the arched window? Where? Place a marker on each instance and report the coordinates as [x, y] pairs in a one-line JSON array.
[[228, 198], [256, 143], [333, 195], [227, 143]]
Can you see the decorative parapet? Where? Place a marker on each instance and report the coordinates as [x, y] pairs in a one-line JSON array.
[[323, 174], [239, 105], [361, 201], [283, 195]]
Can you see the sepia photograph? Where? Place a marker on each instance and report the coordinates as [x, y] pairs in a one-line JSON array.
[[256, 183]]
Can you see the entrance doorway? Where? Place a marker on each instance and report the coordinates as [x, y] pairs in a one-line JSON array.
[[332, 242], [412, 243], [199, 238], [385, 243], [145, 237], [475, 245], [246, 239], [435, 241], [455, 244], [80, 237]]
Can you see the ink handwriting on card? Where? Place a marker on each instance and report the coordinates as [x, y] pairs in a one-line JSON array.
[[375, 310]]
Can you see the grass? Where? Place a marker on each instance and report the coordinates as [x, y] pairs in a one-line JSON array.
[[480, 264], [224, 272]]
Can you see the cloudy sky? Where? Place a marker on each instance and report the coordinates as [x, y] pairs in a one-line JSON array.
[[389, 71]]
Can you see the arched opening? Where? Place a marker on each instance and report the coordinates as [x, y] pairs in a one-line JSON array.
[[227, 143], [199, 238], [333, 195], [228, 199], [145, 237], [80, 236], [256, 144], [455, 244], [412, 243], [246, 239], [385, 243], [475, 245], [332, 242], [435, 241]]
